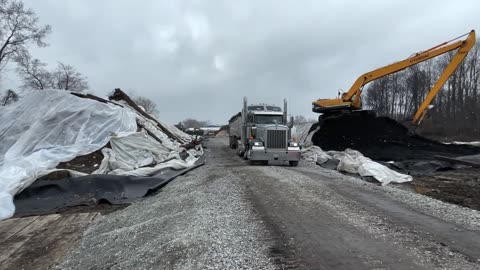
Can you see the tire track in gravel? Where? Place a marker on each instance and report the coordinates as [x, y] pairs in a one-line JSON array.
[[326, 229], [280, 252], [458, 238]]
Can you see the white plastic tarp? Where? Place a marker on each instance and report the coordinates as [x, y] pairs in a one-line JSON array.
[[130, 153], [352, 161], [302, 132], [48, 127], [467, 143]]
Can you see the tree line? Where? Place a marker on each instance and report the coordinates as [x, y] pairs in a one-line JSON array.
[[20, 29], [456, 108]]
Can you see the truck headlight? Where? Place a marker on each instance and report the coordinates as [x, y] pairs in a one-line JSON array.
[[293, 144], [257, 143]]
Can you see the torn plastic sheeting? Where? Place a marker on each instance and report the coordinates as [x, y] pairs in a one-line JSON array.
[[90, 190], [352, 161], [48, 127], [315, 154], [467, 143], [127, 152], [138, 149], [175, 163], [153, 127], [302, 132], [180, 134], [119, 95]]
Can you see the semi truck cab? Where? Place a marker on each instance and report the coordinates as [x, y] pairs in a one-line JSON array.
[[260, 133]]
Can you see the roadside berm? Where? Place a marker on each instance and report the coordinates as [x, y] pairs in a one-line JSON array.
[[60, 149], [382, 148]]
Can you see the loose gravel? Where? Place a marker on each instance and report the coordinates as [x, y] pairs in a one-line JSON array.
[[204, 220], [199, 221], [463, 216], [428, 252]]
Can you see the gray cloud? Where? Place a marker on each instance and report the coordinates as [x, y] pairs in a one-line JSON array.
[[199, 58]]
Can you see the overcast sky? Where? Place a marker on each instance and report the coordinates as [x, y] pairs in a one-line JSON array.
[[199, 58]]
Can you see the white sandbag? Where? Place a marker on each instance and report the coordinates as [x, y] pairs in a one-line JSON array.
[[48, 127]]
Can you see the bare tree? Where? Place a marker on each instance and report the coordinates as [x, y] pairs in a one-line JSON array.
[[299, 119], [193, 123], [18, 28], [147, 104], [9, 97], [32, 72], [66, 77], [34, 75]]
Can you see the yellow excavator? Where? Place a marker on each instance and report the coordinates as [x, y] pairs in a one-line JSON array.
[[351, 100]]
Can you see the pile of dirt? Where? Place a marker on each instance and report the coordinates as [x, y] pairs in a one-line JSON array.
[[381, 138], [223, 131]]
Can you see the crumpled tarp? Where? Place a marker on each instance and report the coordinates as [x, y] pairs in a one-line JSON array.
[[352, 161], [466, 143], [301, 131], [48, 127], [51, 126]]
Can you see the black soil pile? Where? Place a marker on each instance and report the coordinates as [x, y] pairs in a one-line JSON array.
[[382, 139]]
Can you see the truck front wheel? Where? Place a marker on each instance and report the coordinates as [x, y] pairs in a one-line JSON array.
[[293, 163]]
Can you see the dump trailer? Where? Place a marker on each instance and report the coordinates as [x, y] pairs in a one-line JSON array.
[[260, 134]]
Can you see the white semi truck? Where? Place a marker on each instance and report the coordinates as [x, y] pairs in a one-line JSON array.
[[260, 133]]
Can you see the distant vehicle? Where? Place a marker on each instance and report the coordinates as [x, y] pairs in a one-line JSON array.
[[194, 131], [260, 134], [210, 131]]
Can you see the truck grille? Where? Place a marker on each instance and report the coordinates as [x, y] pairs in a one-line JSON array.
[[276, 139]]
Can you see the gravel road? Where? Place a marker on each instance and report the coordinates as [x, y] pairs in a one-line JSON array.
[[230, 215]]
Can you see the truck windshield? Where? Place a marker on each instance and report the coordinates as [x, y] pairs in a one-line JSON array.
[[268, 119]]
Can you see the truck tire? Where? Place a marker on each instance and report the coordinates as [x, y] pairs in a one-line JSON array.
[[293, 163]]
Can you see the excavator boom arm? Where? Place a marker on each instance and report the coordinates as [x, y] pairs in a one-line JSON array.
[[448, 71], [351, 99], [398, 66]]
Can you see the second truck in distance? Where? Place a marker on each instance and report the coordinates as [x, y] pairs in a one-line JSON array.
[[260, 133]]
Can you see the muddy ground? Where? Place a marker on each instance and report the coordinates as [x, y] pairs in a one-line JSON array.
[[461, 186], [86, 163]]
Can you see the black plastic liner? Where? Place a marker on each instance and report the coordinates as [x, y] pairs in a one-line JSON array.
[[53, 196]]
